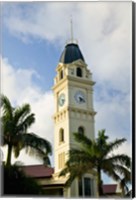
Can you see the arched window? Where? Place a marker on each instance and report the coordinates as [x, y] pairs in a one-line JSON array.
[[61, 135], [79, 72], [85, 187], [61, 74], [81, 130]]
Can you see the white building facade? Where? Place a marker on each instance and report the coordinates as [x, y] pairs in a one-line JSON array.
[[74, 112]]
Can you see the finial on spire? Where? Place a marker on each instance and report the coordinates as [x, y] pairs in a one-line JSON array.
[[71, 40], [71, 28]]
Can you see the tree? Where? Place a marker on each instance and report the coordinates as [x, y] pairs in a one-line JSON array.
[[95, 156], [15, 123], [17, 183]]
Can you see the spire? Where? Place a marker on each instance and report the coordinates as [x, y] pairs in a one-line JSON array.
[[71, 40], [71, 28]]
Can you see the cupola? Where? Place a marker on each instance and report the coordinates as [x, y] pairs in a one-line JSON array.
[[71, 53]]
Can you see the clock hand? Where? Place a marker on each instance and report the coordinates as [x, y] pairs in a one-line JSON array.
[[81, 99]]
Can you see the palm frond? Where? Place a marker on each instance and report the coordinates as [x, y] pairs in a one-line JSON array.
[[116, 171], [70, 179], [123, 171], [123, 159], [110, 171], [21, 112], [36, 146], [6, 107], [46, 160], [73, 171], [115, 144], [17, 145], [84, 140], [101, 137], [91, 156], [113, 175], [31, 139], [14, 123], [64, 171], [79, 156], [26, 123], [123, 185], [38, 154], [77, 167]]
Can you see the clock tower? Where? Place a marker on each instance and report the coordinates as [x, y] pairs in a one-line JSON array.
[[73, 94]]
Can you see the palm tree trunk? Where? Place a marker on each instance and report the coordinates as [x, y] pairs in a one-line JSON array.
[[8, 163], [123, 192], [100, 191]]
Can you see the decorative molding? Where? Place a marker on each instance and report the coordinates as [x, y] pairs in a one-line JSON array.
[[83, 111], [60, 83], [74, 113], [81, 80]]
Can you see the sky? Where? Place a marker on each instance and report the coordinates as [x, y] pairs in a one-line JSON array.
[[34, 35]]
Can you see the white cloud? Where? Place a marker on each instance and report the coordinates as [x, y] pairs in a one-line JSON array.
[[114, 115], [12, 84], [23, 90], [105, 38], [34, 21]]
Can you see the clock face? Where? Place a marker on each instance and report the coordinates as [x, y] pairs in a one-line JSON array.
[[80, 97], [62, 99]]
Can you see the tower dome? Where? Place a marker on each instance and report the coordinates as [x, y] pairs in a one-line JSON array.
[[71, 53]]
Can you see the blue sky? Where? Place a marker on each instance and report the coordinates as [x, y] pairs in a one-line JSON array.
[[33, 38], [40, 55]]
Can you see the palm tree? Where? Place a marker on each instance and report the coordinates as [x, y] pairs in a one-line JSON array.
[[17, 183], [15, 123], [95, 156]]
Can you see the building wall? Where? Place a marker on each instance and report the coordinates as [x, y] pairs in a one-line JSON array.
[[72, 114]]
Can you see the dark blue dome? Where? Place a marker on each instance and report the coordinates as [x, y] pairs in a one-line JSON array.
[[71, 53]]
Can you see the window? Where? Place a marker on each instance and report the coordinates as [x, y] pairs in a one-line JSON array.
[[81, 130], [61, 135], [72, 71], [85, 187], [61, 159], [61, 74], [80, 187], [79, 72]]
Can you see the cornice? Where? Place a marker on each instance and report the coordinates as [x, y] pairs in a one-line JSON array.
[[74, 79], [61, 82], [83, 111], [79, 110], [80, 80]]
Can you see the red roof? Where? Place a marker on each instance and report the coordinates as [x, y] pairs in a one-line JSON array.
[[38, 171], [109, 189]]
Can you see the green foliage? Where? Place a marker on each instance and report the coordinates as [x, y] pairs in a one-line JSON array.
[[15, 123], [95, 156], [16, 182]]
